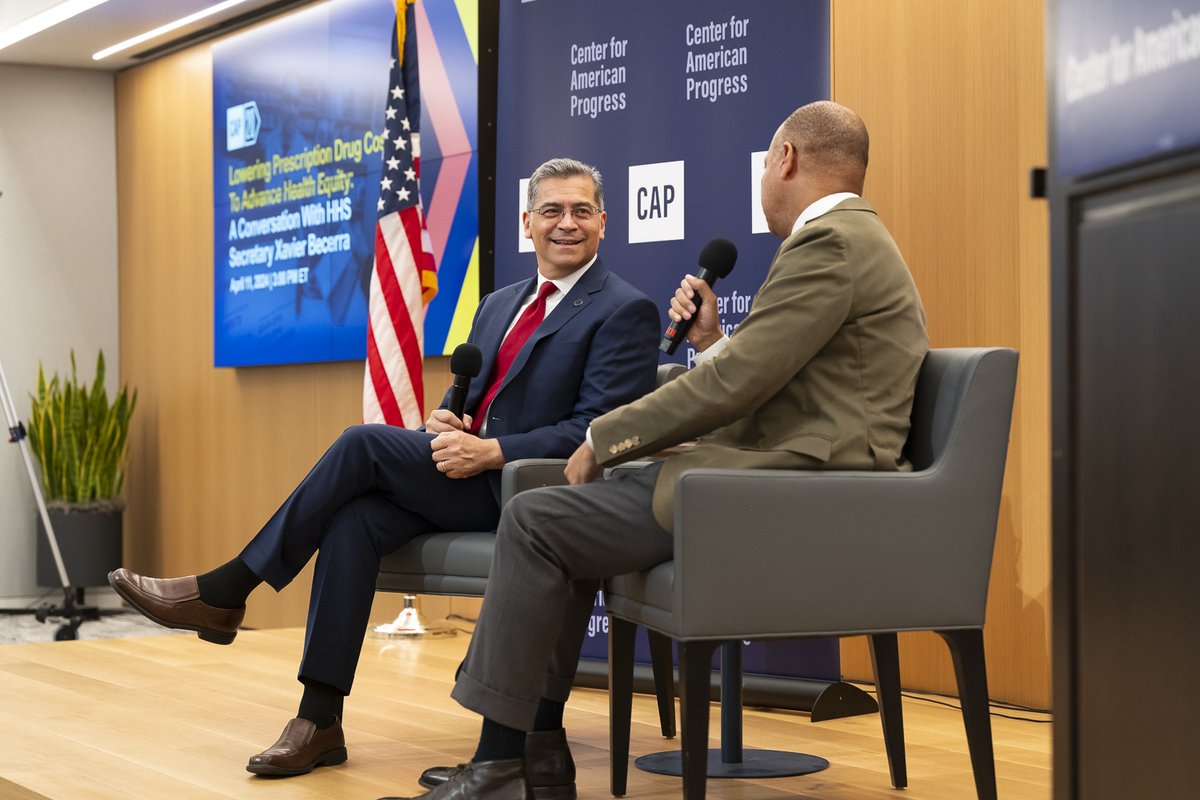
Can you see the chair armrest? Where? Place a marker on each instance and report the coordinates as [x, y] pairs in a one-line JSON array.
[[628, 466], [896, 550], [530, 473], [668, 372]]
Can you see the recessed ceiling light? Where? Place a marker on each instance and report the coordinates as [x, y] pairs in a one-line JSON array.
[[46, 19], [170, 26]]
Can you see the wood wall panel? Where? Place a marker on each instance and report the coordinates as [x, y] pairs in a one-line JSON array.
[[954, 98]]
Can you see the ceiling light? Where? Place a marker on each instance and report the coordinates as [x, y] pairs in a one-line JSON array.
[[170, 26], [46, 19]]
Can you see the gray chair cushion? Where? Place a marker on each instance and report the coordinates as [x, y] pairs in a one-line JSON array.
[[440, 563]]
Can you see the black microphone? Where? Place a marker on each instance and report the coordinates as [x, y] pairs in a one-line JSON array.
[[465, 364], [716, 261]]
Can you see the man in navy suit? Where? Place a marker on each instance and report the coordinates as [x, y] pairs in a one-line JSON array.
[[560, 349]]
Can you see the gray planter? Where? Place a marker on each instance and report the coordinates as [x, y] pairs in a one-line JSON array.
[[90, 543]]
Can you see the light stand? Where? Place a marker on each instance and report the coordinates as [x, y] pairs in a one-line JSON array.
[[72, 612]]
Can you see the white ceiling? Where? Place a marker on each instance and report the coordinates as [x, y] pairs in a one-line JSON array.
[[71, 43]]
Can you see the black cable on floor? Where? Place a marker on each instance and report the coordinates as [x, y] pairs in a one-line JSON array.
[[925, 697]]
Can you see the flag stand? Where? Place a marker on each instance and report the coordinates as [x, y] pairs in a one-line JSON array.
[[72, 612], [409, 624]]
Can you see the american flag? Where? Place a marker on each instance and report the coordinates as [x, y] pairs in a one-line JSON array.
[[404, 279]]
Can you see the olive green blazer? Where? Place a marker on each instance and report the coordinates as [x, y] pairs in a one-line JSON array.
[[819, 375]]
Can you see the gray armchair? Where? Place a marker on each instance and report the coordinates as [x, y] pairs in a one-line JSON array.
[[763, 554]]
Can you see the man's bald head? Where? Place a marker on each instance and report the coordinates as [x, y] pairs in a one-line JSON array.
[[820, 149], [831, 139]]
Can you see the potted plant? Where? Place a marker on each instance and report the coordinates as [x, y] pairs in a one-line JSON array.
[[80, 440]]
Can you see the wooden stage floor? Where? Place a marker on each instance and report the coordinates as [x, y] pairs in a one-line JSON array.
[[173, 717]]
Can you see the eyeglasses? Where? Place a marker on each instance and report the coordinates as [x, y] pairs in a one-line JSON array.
[[582, 212]]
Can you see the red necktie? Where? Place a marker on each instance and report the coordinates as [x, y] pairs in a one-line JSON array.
[[527, 323]]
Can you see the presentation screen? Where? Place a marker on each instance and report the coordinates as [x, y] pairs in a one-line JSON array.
[[676, 104], [298, 120], [1126, 82]]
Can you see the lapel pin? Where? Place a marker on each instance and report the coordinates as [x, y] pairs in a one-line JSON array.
[[578, 302]]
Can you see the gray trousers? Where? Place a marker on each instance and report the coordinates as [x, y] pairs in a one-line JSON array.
[[553, 548]]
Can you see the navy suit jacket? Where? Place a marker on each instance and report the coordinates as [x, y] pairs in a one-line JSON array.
[[596, 351]]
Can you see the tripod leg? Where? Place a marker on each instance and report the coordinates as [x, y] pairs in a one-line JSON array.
[[68, 632]]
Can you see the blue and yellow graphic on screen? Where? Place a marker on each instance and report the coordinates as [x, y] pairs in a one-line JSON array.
[[298, 110], [447, 40]]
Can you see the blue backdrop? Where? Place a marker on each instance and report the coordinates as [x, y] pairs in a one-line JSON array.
[[675, 104]]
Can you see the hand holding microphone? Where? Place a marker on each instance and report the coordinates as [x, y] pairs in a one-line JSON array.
[[688, 305], [456, 453], [464, 364], [695, 304]]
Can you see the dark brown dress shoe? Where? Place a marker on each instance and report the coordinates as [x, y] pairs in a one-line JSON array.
[[548, 764], [301, 749], [176, 603], [487, 780]]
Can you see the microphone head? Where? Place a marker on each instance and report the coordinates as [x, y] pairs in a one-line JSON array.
[[466, 360], [718, 257]]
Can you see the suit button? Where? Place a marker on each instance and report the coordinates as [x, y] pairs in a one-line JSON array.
[[613, 449], [637, 440]]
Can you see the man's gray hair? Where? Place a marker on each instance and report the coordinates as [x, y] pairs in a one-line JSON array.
[[564, 168]]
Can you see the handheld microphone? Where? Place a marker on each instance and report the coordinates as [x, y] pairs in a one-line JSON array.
[[716, 261], [465, 364]]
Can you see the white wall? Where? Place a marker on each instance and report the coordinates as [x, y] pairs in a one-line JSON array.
[[58, 262]]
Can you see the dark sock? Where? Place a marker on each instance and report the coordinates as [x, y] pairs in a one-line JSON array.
[[228, 585], [498, 741], [321, 703], [549, 715]]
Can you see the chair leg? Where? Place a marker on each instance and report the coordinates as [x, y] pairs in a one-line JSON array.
[[885, 661], [620, 700], [731, 703], [695, 669], [664, 681], [966, 648]]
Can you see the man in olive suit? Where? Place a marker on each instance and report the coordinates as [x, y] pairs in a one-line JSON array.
[[820, 375]]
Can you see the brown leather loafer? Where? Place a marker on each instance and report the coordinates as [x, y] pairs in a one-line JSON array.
[[487, 780], [548, 765], [301, 749], [176, 603]]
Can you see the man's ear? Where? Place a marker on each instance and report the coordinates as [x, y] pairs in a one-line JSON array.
[[788, 161], [525, 223]]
